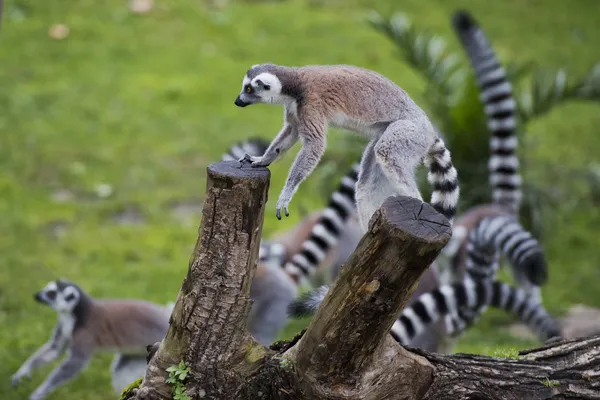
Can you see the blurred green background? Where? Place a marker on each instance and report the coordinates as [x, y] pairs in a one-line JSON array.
[[105, 135]]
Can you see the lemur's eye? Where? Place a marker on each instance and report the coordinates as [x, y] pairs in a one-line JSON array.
[[267, 87], [248, 89], [69, 297], [51, 294]]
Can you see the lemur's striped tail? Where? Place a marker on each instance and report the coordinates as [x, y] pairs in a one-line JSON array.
[[326, 232], [443, 177], [504, 235], [253, 146], [500, 108], [470, 295], [430, 307]]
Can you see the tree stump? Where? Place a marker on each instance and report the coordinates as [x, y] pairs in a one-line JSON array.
[[347, 351], [208, 323]]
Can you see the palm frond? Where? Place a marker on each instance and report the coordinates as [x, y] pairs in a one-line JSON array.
[[551, 88]]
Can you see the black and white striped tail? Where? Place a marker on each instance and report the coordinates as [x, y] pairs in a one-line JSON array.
[[500, 109], [504, 235], [470, 295], [327, 230], [451, 299], [443, 177], [488, 240], [253, 146]]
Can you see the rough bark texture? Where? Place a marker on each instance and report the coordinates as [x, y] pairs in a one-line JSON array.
[[568, 369], [346, 352], [208, 323], [404, 238]]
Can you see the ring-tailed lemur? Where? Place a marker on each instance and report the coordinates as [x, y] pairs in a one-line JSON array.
[[500, 108], [86, 325], [356, 99], [434, 305]]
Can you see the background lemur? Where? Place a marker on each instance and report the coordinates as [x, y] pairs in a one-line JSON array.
[[359, 100], [86, 325], [485, 232]]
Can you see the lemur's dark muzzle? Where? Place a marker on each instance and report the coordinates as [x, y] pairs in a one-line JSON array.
[[240, 103], [38, 297]]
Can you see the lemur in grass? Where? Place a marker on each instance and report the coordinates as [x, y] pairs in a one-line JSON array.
[[359, 100], [87, 325]]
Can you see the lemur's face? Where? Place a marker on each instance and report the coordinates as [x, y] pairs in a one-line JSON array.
[[60, 295], [259, 86]]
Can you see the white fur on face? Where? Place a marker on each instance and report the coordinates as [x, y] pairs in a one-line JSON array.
[[62, 301], [273, 95]]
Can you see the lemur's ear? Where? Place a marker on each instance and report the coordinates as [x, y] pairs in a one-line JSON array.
[[262, 84]]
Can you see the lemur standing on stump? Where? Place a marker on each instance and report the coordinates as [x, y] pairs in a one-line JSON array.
[[363, 101], [86, 325]]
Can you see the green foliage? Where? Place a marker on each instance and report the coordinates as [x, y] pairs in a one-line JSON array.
[[128, 391], [177, 375], [550, 383], [509, 353]]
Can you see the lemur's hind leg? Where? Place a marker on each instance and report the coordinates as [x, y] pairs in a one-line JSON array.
[[372, 187], [388, 166], [400, 150]]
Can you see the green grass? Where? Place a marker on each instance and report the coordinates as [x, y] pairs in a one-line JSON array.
[[143, 103]]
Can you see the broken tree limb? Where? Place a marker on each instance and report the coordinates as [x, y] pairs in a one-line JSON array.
[[208, 324], [347, 351], [568, 369]]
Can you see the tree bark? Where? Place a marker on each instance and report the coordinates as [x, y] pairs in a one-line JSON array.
[[208, 323], [567, 369], [405, 236]]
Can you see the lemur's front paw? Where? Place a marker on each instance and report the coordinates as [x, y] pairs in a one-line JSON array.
[[255, 161], [282, 203], [18, 377]]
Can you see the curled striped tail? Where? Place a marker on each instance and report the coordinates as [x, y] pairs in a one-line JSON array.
[[500, 109], [253, 146], [326, 232], [503, 234], [443, 177]]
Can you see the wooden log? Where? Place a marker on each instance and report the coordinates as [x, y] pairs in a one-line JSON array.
[[568, 369], [346, 351], [208, 324]]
